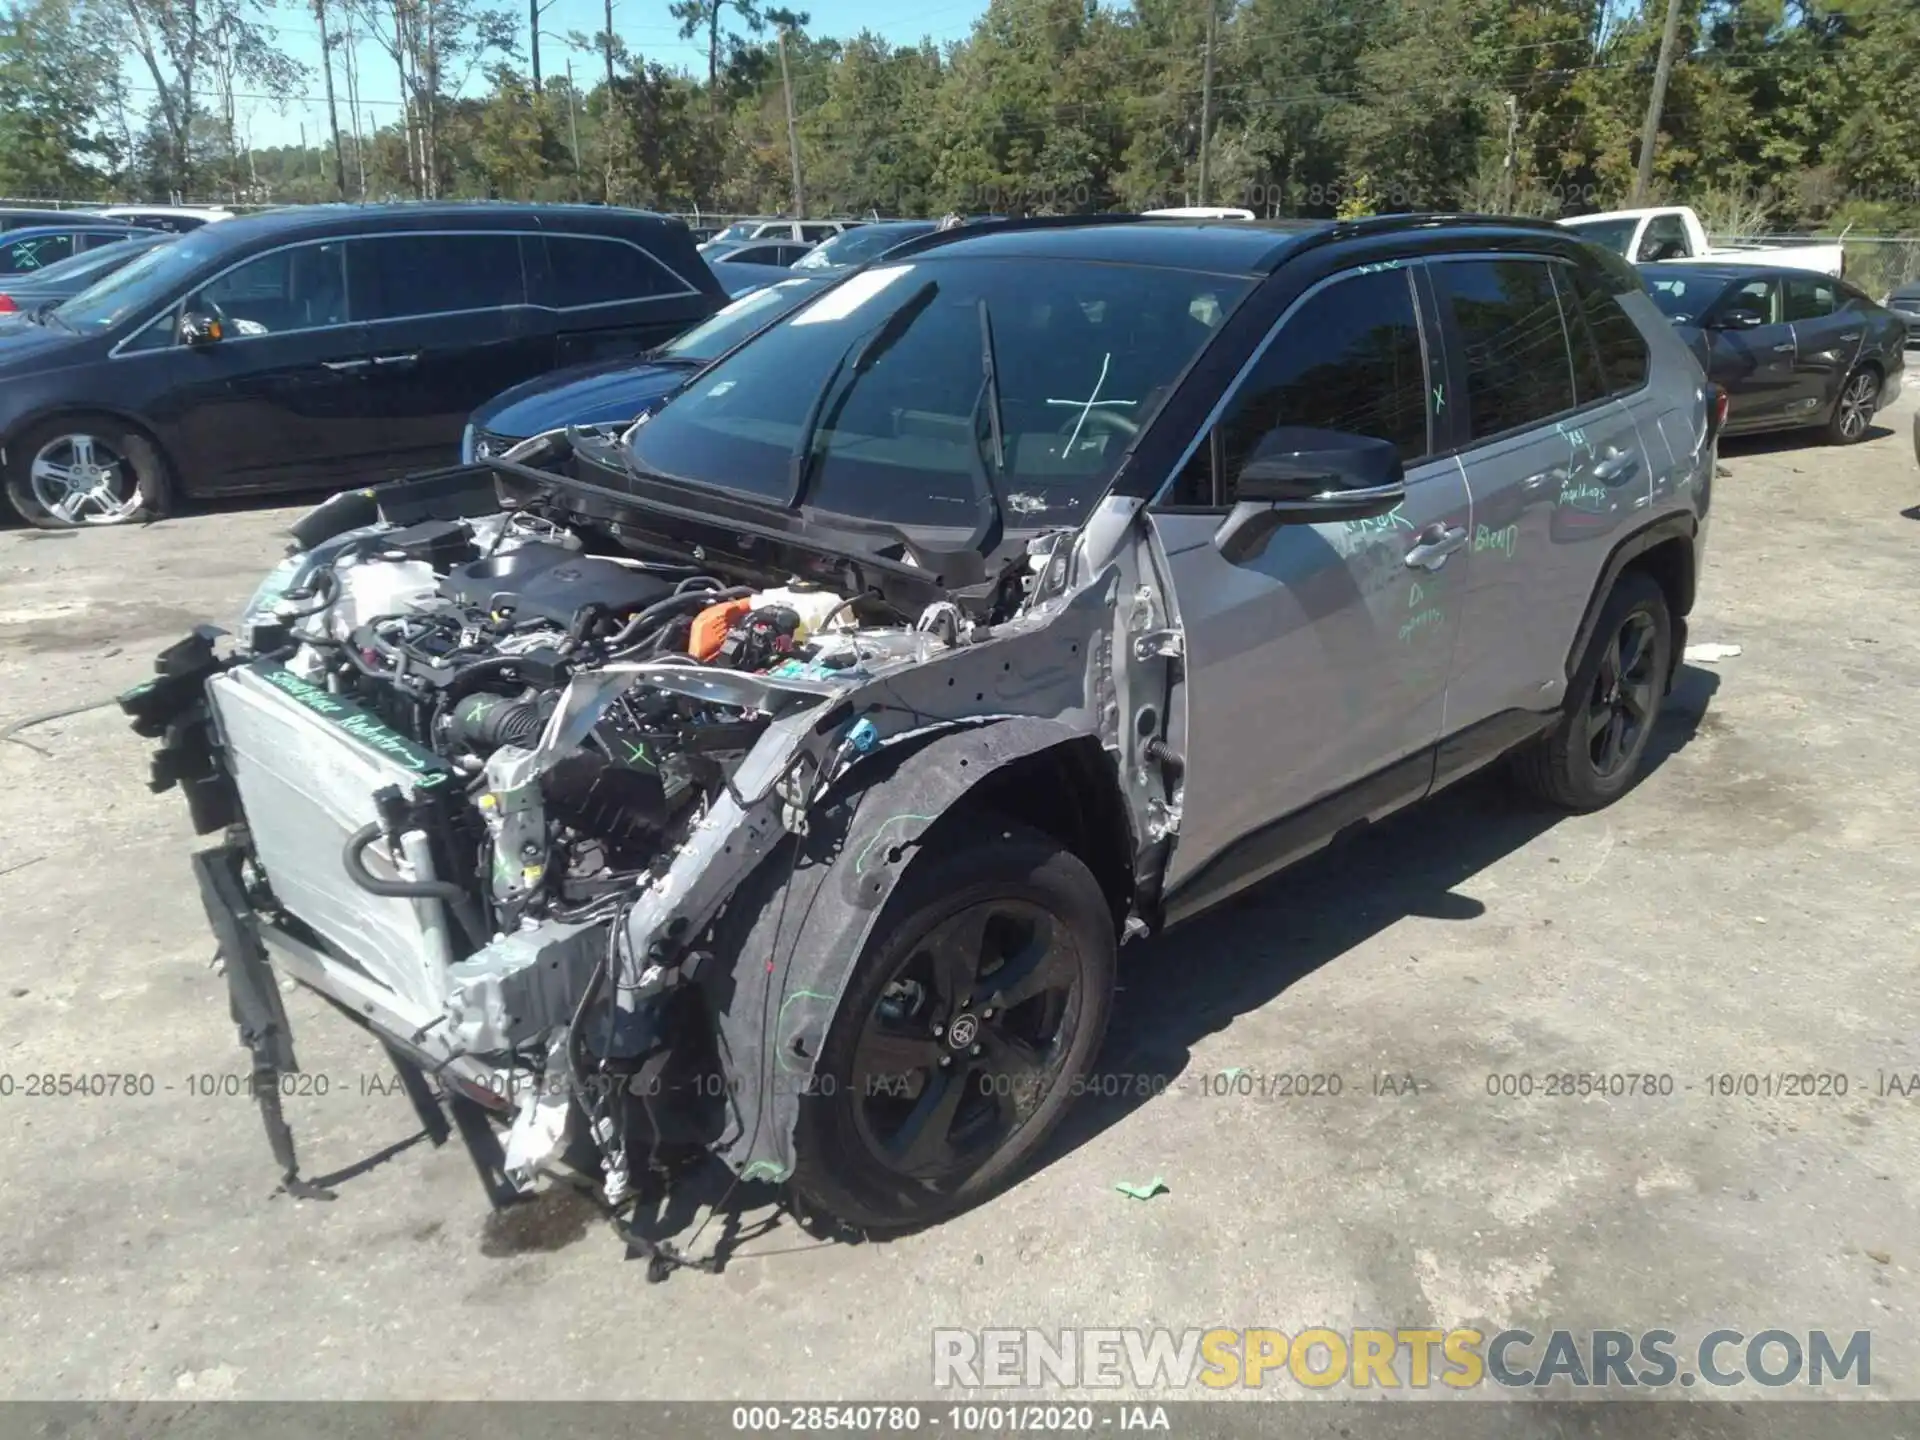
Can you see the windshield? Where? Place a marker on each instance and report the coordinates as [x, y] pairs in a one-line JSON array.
[[149, 281], [727, 327], [1681, 297], [1614, 235], [1085, 355], [857, 246]]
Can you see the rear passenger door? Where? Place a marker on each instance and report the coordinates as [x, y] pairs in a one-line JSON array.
[[612, 298], [1319, 665], [449, 327], [1826, 340], [1555, 466]]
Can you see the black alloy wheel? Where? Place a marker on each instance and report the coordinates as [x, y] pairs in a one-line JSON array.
[[1625, 693]]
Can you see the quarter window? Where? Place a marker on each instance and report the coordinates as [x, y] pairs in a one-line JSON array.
[[596, 270], [401, 276], [1616, 341], [1519, 364]]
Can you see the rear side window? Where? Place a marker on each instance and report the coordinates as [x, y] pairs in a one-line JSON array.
[[596, 270], [1507, 317], [813, 234], [36, 253], [402, 276], [1665, 239], [1616, 342], [1809, 297], [1348, 359]]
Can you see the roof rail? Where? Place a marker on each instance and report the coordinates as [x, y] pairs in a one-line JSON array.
[[996, 227]]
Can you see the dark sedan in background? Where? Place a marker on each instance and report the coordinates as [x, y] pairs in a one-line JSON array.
[[324, 346], [609, 397], [1792, 348], [1906, 300], [24, 296], [33, 248]]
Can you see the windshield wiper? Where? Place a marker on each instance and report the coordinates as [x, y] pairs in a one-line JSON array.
[[854, 361]]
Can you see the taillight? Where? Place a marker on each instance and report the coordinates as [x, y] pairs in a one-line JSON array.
[[1718, 400], [7, 307]]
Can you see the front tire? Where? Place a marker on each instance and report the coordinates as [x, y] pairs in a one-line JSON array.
[[1593, 755], [83, 470], [1853, 411], [973, 1015]]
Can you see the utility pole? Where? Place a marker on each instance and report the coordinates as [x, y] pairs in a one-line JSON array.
[[333, 114], [793, 133], [1206, 97], [573, 127], [533, 40], [1643, 178], [1506, 170], [609, 48]]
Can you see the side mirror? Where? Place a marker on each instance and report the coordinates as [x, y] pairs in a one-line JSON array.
[[1298, 475], [197, 329], [1737, 320]]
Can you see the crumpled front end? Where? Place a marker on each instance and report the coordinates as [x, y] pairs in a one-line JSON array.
[[591, 838]]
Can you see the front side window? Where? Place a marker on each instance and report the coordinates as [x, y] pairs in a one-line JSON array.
[[1348, 359], [1507, 318], [1753, 302], [36, 252], [279, 293], [1085, 354], [594, 270], [404, 276], [1810, 297]]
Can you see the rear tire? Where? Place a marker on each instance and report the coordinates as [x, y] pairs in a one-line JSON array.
[[77, 471], [1853, 411], [1593, 755], [968, 1024]]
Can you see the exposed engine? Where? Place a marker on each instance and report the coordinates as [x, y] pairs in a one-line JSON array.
[[463, 635]]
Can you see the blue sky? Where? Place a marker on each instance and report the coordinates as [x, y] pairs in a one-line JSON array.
[[644, 25]]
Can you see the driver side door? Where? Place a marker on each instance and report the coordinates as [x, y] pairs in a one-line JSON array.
[[1753, 363], [1315, 670]]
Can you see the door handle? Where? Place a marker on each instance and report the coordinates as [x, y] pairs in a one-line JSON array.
[[1851, 335], [344, 367], [1437, 542], [1617, 465], [1556, 476], [1786, 349], [408, 359]]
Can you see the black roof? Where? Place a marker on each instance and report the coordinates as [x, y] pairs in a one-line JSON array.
[[428, 215], [1238, 246]]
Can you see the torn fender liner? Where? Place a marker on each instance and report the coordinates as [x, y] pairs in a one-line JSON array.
[[784, 958]]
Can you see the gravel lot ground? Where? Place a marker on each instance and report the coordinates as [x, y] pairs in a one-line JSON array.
[[1748, 909]]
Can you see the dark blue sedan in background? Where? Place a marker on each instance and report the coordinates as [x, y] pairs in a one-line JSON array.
[[35, 247], [609, 396]]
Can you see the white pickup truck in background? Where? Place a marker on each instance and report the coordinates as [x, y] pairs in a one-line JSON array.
[[1674, 232]]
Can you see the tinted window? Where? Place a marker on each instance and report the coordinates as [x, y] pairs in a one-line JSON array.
[[1085, 355], [1759, 298], [1615, 340], [727, 327], [1519, 369], [301, 288], [1809, 297], [814, 233], [1665, 239], [397, 276], [34, 253], [1348, 359], [592, 271], [1614, 235]]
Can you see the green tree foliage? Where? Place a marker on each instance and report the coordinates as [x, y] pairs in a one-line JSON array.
[[1780, 114]]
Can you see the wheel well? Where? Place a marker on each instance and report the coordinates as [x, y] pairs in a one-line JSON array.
[[1670, 564], [1068, 791]]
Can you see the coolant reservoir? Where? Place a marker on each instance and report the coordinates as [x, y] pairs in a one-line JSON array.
[[811, 603]]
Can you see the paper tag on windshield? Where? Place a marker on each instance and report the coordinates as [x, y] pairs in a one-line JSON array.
[[846, 298]]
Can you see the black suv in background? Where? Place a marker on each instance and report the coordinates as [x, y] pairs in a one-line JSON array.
[[322, 346]]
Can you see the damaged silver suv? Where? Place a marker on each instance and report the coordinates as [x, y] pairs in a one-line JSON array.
[[781, 776]]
